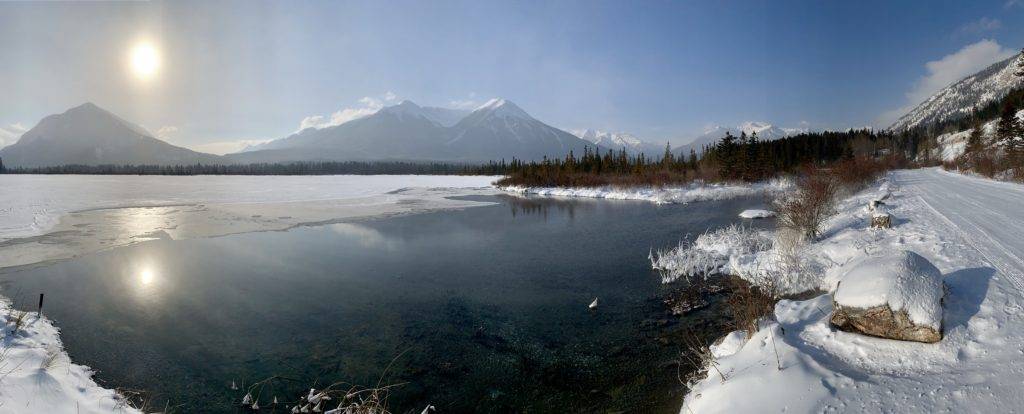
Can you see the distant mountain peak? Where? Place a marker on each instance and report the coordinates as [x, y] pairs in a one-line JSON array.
[[88, 134], [503, 108]]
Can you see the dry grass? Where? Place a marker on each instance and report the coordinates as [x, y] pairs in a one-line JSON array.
[[16, 318], [749, 304], [697, 354], [50, 360]]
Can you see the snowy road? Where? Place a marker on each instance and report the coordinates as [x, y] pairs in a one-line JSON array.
[[988, 215]]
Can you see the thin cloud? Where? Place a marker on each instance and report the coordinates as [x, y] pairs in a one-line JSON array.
[[463, 103], [951, 68], [982, 25], [227, 147], [10, 134], [368, 105], [1013, 3], [165, 132]]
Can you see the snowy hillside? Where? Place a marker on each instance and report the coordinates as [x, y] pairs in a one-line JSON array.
[[711, 135], [953, 144], [90, 135], [962, 97], [621, 140]]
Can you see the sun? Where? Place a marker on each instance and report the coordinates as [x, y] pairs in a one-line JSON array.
[[145, 60]]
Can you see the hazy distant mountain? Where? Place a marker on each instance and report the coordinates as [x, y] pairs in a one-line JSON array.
[[765, 132], [620, 140], [500, 129], [496, 130], [90, 135], [961, 98]]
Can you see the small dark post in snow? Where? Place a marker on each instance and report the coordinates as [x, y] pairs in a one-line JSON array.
[[40, 303]]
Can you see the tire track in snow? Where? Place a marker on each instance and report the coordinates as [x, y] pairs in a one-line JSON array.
[[992, 248]]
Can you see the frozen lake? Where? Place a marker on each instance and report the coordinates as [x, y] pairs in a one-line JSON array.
[[483, 309]]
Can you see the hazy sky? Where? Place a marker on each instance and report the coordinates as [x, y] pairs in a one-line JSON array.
[[236, 71]]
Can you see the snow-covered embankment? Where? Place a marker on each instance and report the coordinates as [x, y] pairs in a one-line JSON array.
[[693, 192], [973, 239]]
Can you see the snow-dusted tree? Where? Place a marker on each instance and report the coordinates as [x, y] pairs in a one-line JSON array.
[[1020, 64]]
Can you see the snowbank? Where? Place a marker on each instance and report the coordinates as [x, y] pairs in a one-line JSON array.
[[756, 213], [38, 377], [976, 367], [710, 253], [902, 280], [697, 191]]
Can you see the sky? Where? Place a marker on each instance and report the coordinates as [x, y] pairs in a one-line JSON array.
[[233, 73]]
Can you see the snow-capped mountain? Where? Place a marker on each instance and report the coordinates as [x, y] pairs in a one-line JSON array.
[[962, 97], [90, 135], [621, 140], [496, 130], [711, 135], [500, 129]]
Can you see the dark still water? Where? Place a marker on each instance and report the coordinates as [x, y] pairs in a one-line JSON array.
[[481, 310]]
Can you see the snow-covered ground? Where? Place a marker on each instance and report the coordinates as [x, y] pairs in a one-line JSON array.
[[36, 375], [53, 217], [696, 191], [971, 229], [49, 217]]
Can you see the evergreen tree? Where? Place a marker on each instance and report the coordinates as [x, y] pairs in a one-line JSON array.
[[1007, 131], [974, 141]]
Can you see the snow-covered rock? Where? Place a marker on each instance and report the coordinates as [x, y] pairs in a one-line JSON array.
[[897, 295], [756, 213]]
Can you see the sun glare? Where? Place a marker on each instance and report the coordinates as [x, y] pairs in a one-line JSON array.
[[145, 60], [146, 277]]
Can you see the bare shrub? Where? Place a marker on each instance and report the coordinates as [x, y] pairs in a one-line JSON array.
[[856, 173], [749, 304], [808, 207]]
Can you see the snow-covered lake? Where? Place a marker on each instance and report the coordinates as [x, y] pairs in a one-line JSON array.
[[487, 306]]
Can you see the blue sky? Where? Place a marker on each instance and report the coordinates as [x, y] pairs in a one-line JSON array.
[[232, 72]]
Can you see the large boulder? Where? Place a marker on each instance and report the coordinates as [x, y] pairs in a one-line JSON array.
[[897, 295]]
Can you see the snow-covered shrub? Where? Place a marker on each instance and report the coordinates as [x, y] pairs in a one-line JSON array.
[[709, 254]]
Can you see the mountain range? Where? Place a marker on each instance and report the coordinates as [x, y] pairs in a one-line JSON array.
[[90, 135], [961, 98], [711, 135], [621, 140]]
